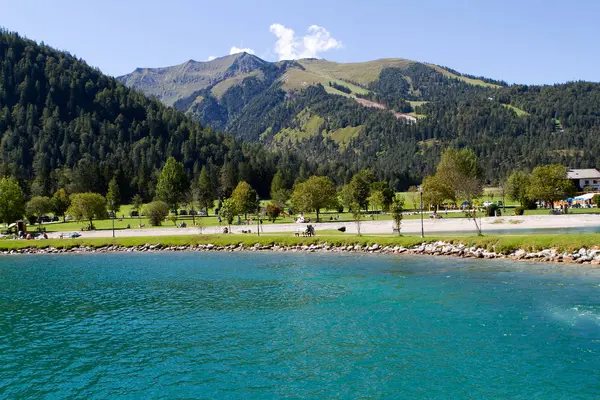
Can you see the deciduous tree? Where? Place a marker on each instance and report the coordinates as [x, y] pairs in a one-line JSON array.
[[87, 206], [397, 210], [244, 199], [517, 187], [314, 194], [172, 183], [60, 203], [12, 200], [156, 212], [549, 183], [38, 206], [435, 191]]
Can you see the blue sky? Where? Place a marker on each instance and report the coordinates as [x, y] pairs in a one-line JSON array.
[[527, 41]]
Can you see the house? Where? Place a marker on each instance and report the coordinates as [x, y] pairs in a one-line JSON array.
[[582, 178]]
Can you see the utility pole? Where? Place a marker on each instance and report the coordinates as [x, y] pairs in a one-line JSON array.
[[258, 215], [112, 207], [421, 195]]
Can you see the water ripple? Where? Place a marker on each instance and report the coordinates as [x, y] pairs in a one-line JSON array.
[[298, 325]]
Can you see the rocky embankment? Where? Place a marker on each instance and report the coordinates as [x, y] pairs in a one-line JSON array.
[[582, 256]]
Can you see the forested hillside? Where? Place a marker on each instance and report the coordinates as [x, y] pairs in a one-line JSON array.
[[65, 125], [398, 115]]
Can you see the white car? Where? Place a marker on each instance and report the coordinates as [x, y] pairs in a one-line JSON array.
[[487, 204]]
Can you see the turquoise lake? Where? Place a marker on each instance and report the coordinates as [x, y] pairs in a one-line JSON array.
[[247, 325]]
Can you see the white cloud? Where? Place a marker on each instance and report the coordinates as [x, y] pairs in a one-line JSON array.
[[210, 58], [290, 47], [235, 50]]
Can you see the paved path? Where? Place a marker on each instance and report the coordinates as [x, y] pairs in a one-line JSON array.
[[412, 226]]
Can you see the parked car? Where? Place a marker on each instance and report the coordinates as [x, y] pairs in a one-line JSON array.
[[55, 219], [202, 213], [193, 212], [72, 235], [134, 213], [487, 203], [183, 212]]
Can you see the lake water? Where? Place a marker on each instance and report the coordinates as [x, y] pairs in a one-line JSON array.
[[241, 325]]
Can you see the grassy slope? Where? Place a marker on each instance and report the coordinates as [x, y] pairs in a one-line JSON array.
[[518, 111], [343, 136], [168, 86], [500, 243], [472, 81]]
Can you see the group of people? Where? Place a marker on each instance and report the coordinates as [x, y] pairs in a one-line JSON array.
[[28, 236]]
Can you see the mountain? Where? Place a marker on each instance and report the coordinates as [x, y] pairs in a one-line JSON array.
[[181, 81], [392, 115], [63, 124]]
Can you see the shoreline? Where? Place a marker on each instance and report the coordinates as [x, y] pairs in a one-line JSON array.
[[437, 248]]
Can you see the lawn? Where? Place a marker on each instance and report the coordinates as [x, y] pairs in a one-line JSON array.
[[498, 243]]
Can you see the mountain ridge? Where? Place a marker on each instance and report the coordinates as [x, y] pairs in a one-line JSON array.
[[399, 114]]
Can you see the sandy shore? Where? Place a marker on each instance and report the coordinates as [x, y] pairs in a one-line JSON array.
[[413, 226]]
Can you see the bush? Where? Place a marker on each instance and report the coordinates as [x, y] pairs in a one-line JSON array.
[[531, 205], [273, 211], [491, 210], [519, 210], [156, 212]]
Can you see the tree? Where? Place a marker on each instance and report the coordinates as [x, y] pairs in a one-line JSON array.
[[227, 180], [191, 198], [388, 198], [38, 206], [227, 211], [397, 209], [360, 186], [12, 200], [113, 197], [206, 191], [279, 191], [87, 206], [156, 212], [357, 215], [376, 199], [517, 187], [273, 211], [60, 203], [244, 199], [414, 197], [137, 203], [435, 191], [596, 200], [172, 183], [550, 183], [314, 194], [460, 170]]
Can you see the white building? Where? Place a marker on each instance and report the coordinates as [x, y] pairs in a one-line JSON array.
[[585, 177]]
